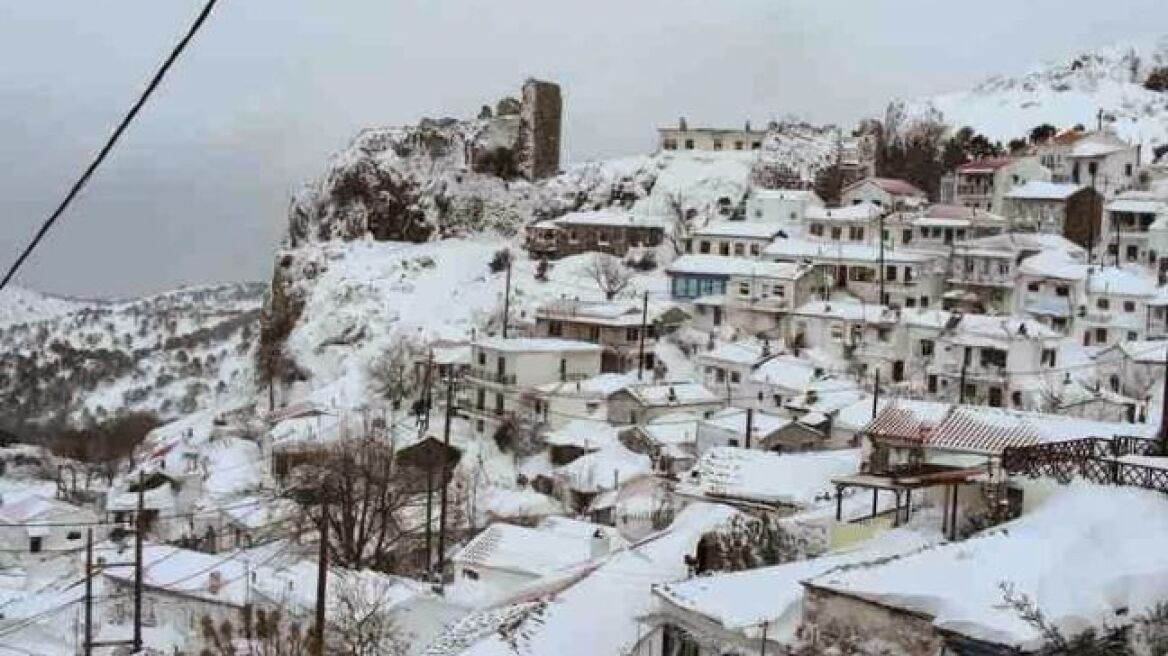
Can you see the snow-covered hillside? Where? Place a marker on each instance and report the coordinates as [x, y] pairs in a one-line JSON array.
[[1063, 93], [19, 305], [170, 353]]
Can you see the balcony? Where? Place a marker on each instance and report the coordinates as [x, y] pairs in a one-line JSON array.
[[1099, 317], [488, 376]]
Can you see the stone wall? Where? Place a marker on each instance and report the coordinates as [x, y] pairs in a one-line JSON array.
[[541, 113], [832, 620]]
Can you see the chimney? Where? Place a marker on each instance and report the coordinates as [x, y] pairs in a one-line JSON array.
[[766, 348], [747, 128], [599, 545], [214, 582], [672, 394], [681, 124]]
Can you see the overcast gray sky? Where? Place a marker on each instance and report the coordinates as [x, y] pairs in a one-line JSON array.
[[198, 189]]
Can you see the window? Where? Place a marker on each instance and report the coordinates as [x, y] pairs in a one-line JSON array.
[[739, 249], [1103, 304], [1133, 253], [73, 535], [837, 332], [780, 291], [1092, 168], [719, 375], [995, 397], [689, 145], [1048, 357], [703, 246], [837, 233], [927, 348], [816, 229], [861, 274], [932, 383], [499, 404], [34, 544], [755, 250], [890, 273], [738, 145], [735, 377], [755, 145], [555, 328], [906, 236], [856, 233], [993, 358], [744, 289], [482, 359], [1032, 286], [1100, 335], [1062, 290], [632, 334], [910, 302], [730, 442], [908, 274], [670, 144], [1131, 336], [1127, 169], [924, 301], [717, 144], [723, 248], [470, 574], [1129, 306]]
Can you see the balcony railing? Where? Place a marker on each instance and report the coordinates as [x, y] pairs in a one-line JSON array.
[[492, 376]]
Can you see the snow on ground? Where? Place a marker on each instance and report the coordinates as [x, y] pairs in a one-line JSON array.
[[1087, 555], [797, 479], [19, 305]]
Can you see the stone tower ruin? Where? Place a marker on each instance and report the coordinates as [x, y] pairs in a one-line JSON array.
[[539, 129]]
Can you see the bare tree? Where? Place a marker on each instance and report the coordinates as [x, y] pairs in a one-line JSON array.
[[393, 373], [370, 501], [265, 634], [610, 275], [359, 617]]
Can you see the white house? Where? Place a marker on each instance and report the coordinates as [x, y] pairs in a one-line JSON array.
[[642, 403], [983, 274], [908, 279], [940, 227], [998, 359], [737, 238], [888, 193], [683, 137], [857, 224], [727, 369], [1118, 305], [982, 184], [1127, 224], [1071, 210], [614, 325], [35, 523], [506, 556], [768, 432], [781, 206], [839, 328], [1104, 161], [502, 370]]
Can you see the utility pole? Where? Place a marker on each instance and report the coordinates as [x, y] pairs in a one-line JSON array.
[[1164, 410], [321, 580], [644, 322], [445, 481], [427, 395], [507, 297], [880, 235], [139, 531], [429, 517], [749, 425], [876, 394], [961, 387], [1091, 219], [89, 592]]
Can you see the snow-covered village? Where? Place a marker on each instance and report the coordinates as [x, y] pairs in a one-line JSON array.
[[769, 387]]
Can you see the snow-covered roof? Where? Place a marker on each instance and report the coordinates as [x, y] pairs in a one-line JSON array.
[[34, 507], [1144, 351], [1141, 203], [787, 194], [787, 249], [1053, 264], [599, 387], [744, 601], [609, 218], [675, 428], [1085, 556], [795, 479], [961, 212], [522, 550], [718, 265], [606, 313], [603, 470], [747, 353], [1091, 148], [535, 345], [984, 430], [734, 420], [1041, 190], [740, 229], [847, 310], [786, 371], [858, 212], [1121, 281], [585, 434], [961, 327], [191, 573], [1022, 241], [679, 393]]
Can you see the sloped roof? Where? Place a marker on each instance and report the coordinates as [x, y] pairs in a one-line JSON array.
[[985, 165], [894, 186], [525, 550], [1041, 190], [734, 266]]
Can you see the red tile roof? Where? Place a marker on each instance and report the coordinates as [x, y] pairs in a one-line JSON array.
[[894, 186], [961, 429], [1068, 137], [986, 164]]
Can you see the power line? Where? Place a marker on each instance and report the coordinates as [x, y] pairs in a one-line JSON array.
[[110, 143]]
